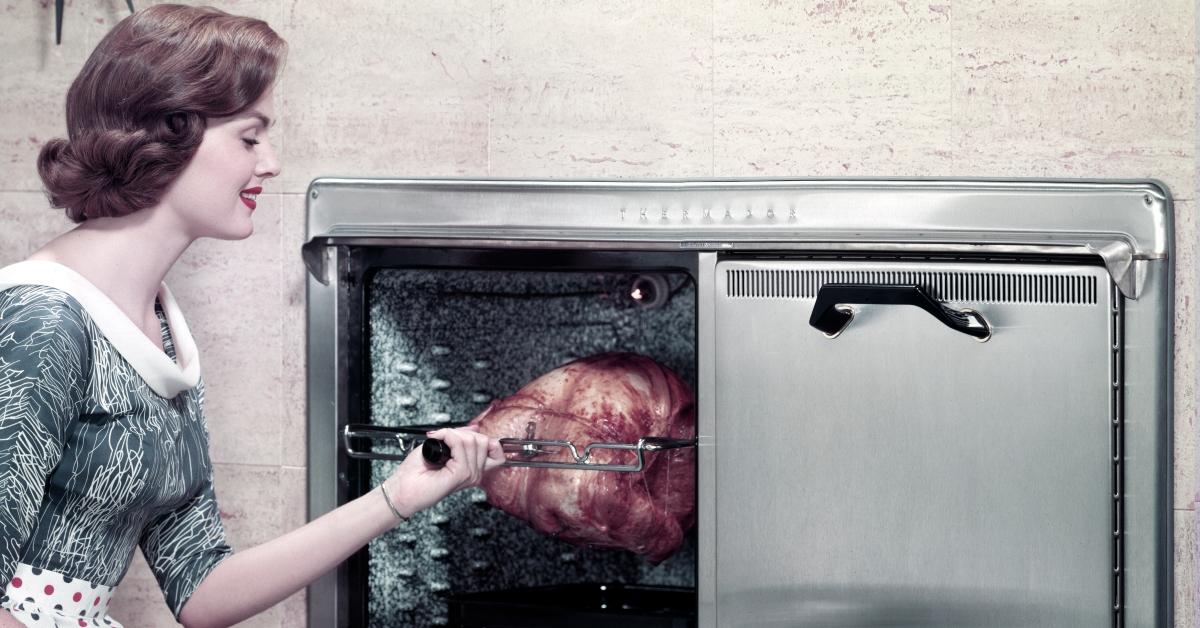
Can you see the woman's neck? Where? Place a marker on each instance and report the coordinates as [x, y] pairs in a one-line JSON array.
[[126, 257]]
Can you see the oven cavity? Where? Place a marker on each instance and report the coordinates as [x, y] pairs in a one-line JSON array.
[[442, 345]]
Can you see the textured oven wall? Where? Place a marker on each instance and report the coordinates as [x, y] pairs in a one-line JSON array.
[[1062, 88], [444, 344]]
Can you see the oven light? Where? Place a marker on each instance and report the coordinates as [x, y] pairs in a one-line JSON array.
[[649, 291]]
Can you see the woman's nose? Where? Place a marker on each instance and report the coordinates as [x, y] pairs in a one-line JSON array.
[[268, 162]]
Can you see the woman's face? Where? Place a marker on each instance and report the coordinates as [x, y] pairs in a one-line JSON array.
[[214, 195]]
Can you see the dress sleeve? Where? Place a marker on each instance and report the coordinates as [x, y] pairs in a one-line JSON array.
[[45, 360], [183, 546]]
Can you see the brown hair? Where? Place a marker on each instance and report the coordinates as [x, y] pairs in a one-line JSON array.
[[138, 109]]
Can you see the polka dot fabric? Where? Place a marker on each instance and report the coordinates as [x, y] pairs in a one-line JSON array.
[[40, 598]]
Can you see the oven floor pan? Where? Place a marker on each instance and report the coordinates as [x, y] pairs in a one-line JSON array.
[[578, 606]]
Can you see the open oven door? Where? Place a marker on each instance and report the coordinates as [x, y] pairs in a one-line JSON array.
[[917, 443]]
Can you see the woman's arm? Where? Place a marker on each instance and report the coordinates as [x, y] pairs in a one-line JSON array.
[[8, 621], [252, 581]]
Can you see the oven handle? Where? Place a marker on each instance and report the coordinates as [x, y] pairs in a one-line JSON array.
[[832, 312]]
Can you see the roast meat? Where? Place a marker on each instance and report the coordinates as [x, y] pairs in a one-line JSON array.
[[612, 398]]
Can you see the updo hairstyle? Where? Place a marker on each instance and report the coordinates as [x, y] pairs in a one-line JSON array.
[[138, 109]]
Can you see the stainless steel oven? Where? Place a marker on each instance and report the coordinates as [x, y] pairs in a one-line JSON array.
[[920, 402]]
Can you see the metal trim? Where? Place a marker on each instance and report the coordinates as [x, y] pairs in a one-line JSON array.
[[1128, 273], [1117, 440], [706, 437], [1121, 221]]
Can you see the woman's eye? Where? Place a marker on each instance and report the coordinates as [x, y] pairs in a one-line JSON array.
[[250, 141]]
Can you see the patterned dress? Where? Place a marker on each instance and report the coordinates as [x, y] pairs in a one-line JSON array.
[[103, 449]]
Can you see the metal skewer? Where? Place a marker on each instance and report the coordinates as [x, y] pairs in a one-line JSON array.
[[437, 453]]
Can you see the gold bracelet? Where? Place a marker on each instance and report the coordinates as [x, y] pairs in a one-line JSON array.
[[391, 506]]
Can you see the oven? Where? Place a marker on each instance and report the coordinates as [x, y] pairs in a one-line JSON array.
[[919, 402]]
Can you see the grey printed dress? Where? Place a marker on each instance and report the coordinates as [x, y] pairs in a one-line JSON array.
[[103, 449]]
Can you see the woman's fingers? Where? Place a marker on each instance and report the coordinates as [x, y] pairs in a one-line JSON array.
[[495, 455], [472, 441], [485, 445], [453, 440], [478, 453], [471, 453]]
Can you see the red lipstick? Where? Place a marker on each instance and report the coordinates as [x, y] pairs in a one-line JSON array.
[[249, 201]]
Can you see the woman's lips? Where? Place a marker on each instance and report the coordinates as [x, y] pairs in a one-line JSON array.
[[247, 195]]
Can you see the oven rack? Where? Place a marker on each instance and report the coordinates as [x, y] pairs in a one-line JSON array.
[[408, 438]]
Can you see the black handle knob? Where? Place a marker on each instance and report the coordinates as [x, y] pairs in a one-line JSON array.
[[436, 452], [830, 319]]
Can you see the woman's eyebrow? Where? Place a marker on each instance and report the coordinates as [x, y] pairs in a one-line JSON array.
[[266, 122]]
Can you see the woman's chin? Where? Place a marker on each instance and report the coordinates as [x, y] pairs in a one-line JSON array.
[[233, 232]]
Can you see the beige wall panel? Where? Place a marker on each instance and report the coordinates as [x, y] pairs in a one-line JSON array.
[[384, 88], [36, 75], [832, 88], [231, 296], [138, 600], [601, 89], [293, 485], [1187, 328], [251, 503], [109, 12], [252, 500], [26, 223], [294, 388], [1080, 88], [1185, 569]]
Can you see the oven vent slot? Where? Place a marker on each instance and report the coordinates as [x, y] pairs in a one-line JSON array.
[[943, 286]]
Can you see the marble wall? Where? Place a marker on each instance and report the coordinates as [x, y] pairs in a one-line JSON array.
[[623, 88]]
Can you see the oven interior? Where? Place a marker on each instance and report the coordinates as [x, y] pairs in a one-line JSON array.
[[444, 341]]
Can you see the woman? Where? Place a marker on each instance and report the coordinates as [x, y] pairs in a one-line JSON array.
[[102, 441]]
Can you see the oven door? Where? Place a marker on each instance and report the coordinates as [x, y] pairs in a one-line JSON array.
[[905, 473]]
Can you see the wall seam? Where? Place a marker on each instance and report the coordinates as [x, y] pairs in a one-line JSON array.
[[281, 295], [712, 87], [490, 83], [953, 102], [1194, 536]]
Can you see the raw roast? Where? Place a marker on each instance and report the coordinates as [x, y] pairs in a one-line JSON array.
[[611, 398]]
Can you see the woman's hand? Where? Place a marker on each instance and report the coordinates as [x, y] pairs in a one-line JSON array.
[[252, 580], [415, 485]]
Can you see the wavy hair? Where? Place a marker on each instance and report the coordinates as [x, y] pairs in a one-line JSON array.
[[138, 109]]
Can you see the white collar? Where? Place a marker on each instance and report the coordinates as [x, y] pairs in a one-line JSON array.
[[164, 376]]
